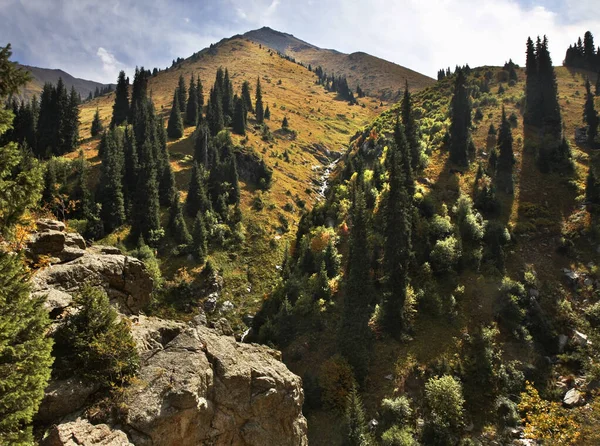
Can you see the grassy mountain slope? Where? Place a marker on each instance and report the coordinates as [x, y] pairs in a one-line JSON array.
[[322, 126], [550, 229], [377, 77], [39, 76]]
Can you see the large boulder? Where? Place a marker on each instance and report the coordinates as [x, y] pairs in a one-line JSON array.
[[63, 397], [53, 243], [82, 433], [125, 278], [205, 388]]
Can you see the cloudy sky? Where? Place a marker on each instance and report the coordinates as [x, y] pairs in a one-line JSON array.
[[94, 39]]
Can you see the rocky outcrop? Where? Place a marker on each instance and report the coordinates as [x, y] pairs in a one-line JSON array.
[[125, 278], [205, 388], [82, 433], [63, 397], [52, 242]]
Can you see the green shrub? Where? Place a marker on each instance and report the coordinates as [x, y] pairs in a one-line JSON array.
[[398, 436], [396, 411], [444, 410], [94, 343], [445, 254]]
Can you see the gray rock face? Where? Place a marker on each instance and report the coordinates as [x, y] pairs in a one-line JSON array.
[[204, 388], [82, 433], [47, 224], [573, 398], [64, 397], [52, 242], [124, 278]]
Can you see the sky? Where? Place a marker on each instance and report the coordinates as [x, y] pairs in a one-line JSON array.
[[95, 39]]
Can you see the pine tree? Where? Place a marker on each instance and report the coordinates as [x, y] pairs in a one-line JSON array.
[[47, 123], [197, 199], [357, 433], [592, 187], [590, 116], [397, 245], [227, 95], [175, 125], [50, 190], [81, 192], [164, 169], [121, 105], [532, 89], [259, 111], [506, 159], [202, 144], [200, 100], [97, 126], [25, 348], [60, 104], [214, 112], [353, 338], [410, 130], [199, 248], [177, 226], [246, 96], [285, 124], [191, 114], [598, 83], [131, 162], [460, 121], [238, 124], [181, 93], [111, 182], [267, 113]]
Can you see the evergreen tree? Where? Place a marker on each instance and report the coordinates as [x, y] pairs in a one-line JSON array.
[[460, 121], [410, 130], [214, 112], [131, 161], [177, 226], [121, 105], [191, 113], [598, 84], [532, 92], [239, 124], [590, 116], [47, 123], [357, 433], [353, 335], [506, 159], [25, 348], [175, 126], [202, 144], [164, 169], [199, 248], [246, 96], [397, 245], [200, 100], [139, 96], [285, 124], [592, 187], [197, 199], [50, 190], [181, 93], [71, 123], [227, 95], [267, 113], [111, 182], [259, 111], [81, 191], [97, 127]]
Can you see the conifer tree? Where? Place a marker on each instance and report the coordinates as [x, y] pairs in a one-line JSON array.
[[164, 169], [191, 113], [592, 187], [227, 95], [397, 245], [97, 126], [111, 182], [25, 348], [410, 130], [200, 100], [199, 245], [214, 112], [357, 433], [139, 95], [131, 162], [259, 110], [284, 123], [181, 94], [50, 189], [175, 125], [197, 199], [121, 105], [47, 123], [246, 96], [81, 192], [460, 121], [590, 116], [267, 113], [202, 146], [506, 159], [353, 336], [177, 226], [598, 83], [239, 124], [71, 122], [532, 88]]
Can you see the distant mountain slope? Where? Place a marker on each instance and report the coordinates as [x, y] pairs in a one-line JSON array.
[[377, 77], [42, 75]]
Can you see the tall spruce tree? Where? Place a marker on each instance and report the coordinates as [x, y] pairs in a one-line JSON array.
[[164, 169], [202, 142], [197, 198], [47, 124], [81, 192], [227, 95], [410, 129], [71, 122], [532, 88], [214, 112], [239, 124], [97, 127], [259, 110], [146, 205], [590, 116], [397, 245], [131, 161], [175, 125], [353, 335], [177, 226], [191, 113], [460, 121], [246, 96], [121, 105], [506, 158], [598, 82], [199, 243], [181, 94], [200, 100], [25, 348], [111, 182], [357, 431]]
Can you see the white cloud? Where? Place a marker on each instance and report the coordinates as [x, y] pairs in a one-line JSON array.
[[110, 64]]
